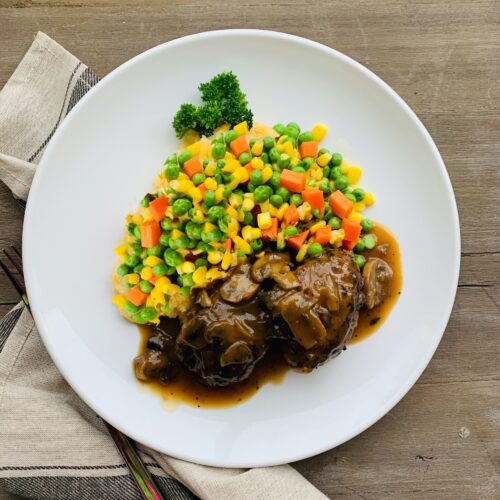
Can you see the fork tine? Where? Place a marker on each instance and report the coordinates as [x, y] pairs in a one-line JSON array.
[[12, 278], [16, 251], [14, 261]]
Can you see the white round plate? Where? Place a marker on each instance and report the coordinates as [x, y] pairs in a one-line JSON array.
[[103, 158]]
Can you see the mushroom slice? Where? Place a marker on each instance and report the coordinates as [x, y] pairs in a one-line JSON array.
[[377, 277], [239, 286], [238, 353]]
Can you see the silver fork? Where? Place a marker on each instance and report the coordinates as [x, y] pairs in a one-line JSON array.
[[11, 263]]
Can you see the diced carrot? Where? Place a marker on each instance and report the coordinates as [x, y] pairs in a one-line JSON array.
[[249, 168], [323, 235], [154, 279], [158, 207], [315, 198], [239, 145], [136, 296], [309, 149], [193, 166], [293, 181], [298, 240], [272, 232], [202, 188], [228, 244], [291, 215], [341, 205], [150, 234], [352, 230], [348, 245]]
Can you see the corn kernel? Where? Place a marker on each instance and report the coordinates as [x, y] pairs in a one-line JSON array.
[[188, 267], [199, 276], [169, 213], [219, 195], [264, 220], [257, 163], [157, 297], [161, 282], [369, 199], [226, 261], [243, 174], [304, 211], [241, 244], [234, 259], [337, 236], [256, 233], [214, 257], [355, 216], [146, 273], [119, 301], [272, 210], [211, 184], [246, 233], [198, 215], [288, 148], [234, 202], [232, 211], [260, 254], [136, 219], [247, 205], [184, 186], [209, 170], [230, 166], [318, 174], [208, 226], [294, 162], [324, 159], [281, 211], [214, 273], [257, 148], [194, 148], [302, 252], [264, 206], [241, 216], [176, 234], [171, 289], [319, 131], [241, 128], [359, 206], [184, 251], [147, 215], [205, 149], [267, 173], [121, 251], [152, 260], [195, 194], [317, 226], [190, 137], [344, 166], [354, 174], [232, 228], [236, 180], [133, 279]]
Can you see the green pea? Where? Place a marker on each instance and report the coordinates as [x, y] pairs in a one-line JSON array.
[[218, 151], [245, 158], [156, 251], [335, 173], [200, 263], [206, 162], [221, 164], [265, 157], [171, 171], [274, 155], [145, 201], [171, 159], [218, 140], [367, 225], [166, 224], [218, 179], [324, 186], [256, 178], [138, 268], [172, 258], [336, 159], [145, 286], [335, 223], [129, 307], [231, 136], [306, 137], [274, 181], [307, 163], [160, 269], [299, 170], [251, 187], [193, 231], [323, 151], [296, 199], [187, 280], [184, 157], [280, 128], [360, 260], [359, 194], [284, 161], [204, 246], [198, 178], [131, 228], [326, 172], [135, 248], [316, 213], [181, 206], [147, 314], [328, 212], [261, 194], [370, 240], [268, 142], [215, 213], [283, 192], [222, 223], [360, 245], [192, 244], [341, 182], [314, 249], [180, 225], [351, 197], [122, 270], [186, 291], [257, 245], [291, 231], [209, 198], [247, 218], [181, 242], [276, 200], [227, 191], [292, 132], [213, 235], [132, 260]]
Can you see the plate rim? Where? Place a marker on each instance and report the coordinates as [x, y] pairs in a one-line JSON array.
[[421, 365]]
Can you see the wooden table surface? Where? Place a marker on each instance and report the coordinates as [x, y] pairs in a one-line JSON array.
[[443, 57]]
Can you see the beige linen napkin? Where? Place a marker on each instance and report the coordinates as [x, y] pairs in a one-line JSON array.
[[51, 444]]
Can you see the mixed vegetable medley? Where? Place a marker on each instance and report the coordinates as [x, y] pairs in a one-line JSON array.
[[231, 196]]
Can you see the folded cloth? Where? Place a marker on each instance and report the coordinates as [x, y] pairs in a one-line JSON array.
[[51, 444]]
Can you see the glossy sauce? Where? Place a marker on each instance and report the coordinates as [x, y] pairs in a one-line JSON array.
[[186, 389]]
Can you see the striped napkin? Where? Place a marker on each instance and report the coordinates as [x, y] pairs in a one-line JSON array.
[[51, 444]]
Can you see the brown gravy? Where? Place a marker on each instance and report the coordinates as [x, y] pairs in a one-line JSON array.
[[186, 389]]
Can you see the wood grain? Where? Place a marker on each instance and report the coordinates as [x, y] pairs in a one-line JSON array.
[[443, 58]]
